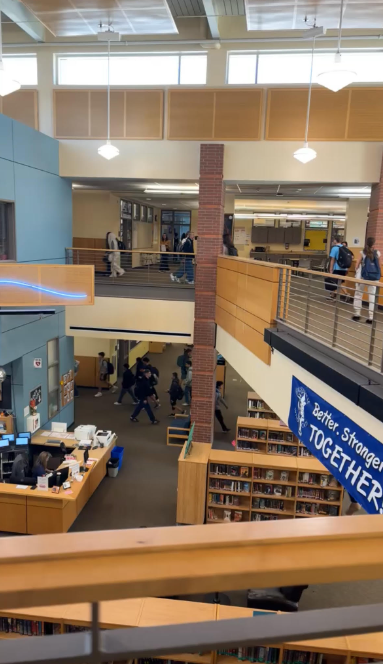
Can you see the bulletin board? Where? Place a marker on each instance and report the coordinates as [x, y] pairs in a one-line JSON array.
[[67, 388]]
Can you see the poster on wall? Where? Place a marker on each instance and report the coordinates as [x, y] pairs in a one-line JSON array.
[[36, 395], [239, 235], [350, 454], [37, 362]]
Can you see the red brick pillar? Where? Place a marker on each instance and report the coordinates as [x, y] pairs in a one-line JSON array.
[[375, 217], [210, 229]]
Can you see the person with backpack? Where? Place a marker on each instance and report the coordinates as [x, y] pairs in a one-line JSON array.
[[340, 262], [367, 268], [153, 380], [176, 393], [188, 384], [128, 381], [228, 246], [142, 392], [182, 360], [113, 244], [187, 263], [105, 369]]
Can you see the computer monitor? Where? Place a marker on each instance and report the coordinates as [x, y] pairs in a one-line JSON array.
[[25, 434], [21, 443], [4, 445], [10, 437]]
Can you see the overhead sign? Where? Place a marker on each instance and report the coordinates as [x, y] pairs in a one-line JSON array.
[[348, 452]]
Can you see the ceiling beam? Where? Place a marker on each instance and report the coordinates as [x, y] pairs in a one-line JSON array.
[[23, 17], [211, 18]]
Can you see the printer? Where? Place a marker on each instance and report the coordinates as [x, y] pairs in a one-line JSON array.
[[104, 437], [85, 432]]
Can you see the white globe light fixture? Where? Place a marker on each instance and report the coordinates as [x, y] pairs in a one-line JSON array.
[[306, 154], [7, 83], [338, 76], [108, 151]]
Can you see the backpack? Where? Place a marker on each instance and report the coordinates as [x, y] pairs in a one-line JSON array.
[[180, 394], [110, 368], [121, 245], [180, 360], [232, 251], [345, 257], [155, 371], [371, 269]]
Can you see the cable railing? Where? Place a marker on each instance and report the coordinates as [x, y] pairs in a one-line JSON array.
[[339, 311], [159, 562], [137, 267]]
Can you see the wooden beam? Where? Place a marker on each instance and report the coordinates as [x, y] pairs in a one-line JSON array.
[[98, 566]]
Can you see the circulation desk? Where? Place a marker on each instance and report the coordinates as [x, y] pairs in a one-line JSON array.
[[41, 512]]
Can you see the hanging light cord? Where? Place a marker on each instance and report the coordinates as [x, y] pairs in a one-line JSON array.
[[108, 89], [340, 25], [309, 97]]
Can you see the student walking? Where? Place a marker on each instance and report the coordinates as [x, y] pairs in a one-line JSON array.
[[218, 401], [165, 247], [139, 366], [128, 381], [182, 360], [153, 380], [143, 392], [340, 262], [114, 257], [188, 384], [367, 268], [176, 393], [187, 262], [103, 374]]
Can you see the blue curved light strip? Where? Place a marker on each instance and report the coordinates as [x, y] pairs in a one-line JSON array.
[[74, 296]]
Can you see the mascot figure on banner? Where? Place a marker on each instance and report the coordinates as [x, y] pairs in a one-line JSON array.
[[303, 400]]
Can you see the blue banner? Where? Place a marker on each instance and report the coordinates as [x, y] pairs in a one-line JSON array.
[[348, 452]]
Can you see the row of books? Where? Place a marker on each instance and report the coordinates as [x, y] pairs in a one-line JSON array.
[[260, 654], [268, 504], [318, 494], [258, 403], [72, 629], [28, 627], [259, 415], [281, 436], [227, 485], [252, 434], [271, 474], [226, 515], [315, 508], [247, 445], [304, 452], [288, 450], [301, 657], [256, 516], [274, 489], [221, 499], [227, 469], [316, 478]]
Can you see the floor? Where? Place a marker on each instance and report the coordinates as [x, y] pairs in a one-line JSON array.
[[150, 470]]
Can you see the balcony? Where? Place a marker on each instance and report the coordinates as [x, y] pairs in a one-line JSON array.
[[138, 273]]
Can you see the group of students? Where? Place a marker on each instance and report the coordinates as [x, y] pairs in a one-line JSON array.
[[367, 268]]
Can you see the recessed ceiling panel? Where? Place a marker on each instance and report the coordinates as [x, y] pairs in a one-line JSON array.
[[67, 18], [290, 14]]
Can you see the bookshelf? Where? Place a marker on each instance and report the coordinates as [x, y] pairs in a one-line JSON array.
[[268, 436], [263, 487], [149, 612], [257, 408]]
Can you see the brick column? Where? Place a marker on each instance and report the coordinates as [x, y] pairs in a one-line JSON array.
[[210, 228], [375, 217]]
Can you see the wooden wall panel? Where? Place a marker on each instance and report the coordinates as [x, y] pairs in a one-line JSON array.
[[286, 114], [366, 115], [238, 115], [32, 285], [134, 114], [71, 113], [22, 106], [190, 114]]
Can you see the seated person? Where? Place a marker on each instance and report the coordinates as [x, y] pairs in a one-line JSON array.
[[41, 466], [20, 469]]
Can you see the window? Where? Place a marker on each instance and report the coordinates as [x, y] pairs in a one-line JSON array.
[[7, 232], [156, 69], [53, 377], [23, 68], [294, 68]]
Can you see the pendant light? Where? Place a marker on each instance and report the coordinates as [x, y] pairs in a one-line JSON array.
[[338, 76], [7, 83], [307, 154], [108, 151]]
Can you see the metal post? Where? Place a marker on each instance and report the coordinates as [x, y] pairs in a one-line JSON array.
[[336, 316], [288, 274], [95, 630], [308, 304], [280, 282], [373, 328]]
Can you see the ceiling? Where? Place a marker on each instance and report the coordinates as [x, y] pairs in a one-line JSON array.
[[298, 191], [65, 18], [290, 14]]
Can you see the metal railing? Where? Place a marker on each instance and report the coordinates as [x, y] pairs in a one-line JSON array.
[[100, 566], [137, 267], [341, 312]]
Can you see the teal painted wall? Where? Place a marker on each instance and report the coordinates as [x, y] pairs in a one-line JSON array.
[[29, 163]]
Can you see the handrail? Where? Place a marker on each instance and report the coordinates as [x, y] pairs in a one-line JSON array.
[[97, 566], [130, 251]]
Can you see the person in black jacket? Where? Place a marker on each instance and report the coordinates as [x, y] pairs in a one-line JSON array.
[[153, 380], [186, 262], [128, 381], [176, 393], [143, 391]]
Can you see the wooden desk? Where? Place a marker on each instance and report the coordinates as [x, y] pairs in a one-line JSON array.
[[41, 512]]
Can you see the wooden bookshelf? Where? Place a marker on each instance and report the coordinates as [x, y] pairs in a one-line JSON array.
[[149, 612], [257, 408], [268, 436], [262, 487]]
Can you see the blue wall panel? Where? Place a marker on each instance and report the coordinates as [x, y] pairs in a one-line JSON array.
[[7, 184], [34, 149], [6, 139]]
